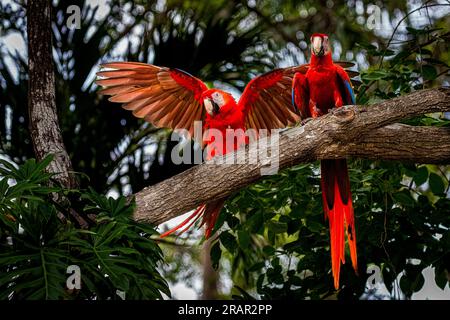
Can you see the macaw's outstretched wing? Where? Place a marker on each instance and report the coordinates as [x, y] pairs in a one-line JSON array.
[[266, 101], [162, 96]]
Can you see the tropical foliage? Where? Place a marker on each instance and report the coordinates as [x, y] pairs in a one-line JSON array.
[[115, 254]]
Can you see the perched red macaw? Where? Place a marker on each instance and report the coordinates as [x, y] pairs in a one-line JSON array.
[[172, 98], [327, 85]]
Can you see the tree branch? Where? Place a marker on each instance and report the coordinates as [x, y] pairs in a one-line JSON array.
[[351, 131]]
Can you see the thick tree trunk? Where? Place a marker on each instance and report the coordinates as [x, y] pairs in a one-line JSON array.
[[44, 127], [352, 131]]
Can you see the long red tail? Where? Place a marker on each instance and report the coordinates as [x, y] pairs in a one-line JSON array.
[[209, 212], [337, 204]]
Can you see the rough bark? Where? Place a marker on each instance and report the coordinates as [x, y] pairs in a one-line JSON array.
[[352, 131], [44, 126]]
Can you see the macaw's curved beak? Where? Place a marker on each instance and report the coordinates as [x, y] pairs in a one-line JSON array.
[[211, 106], [216, 107], [317, 46]]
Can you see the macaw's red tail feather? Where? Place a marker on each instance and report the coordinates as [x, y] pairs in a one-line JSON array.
[[337, 203], [212, 212], [209, 212], [197, 213]]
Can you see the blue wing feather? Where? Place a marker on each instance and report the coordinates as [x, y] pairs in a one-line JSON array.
[[349, 89], [293, 100], [348, 95]]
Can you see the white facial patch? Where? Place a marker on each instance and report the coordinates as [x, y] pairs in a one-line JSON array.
[[320, 46], [326, 45], [208, 106], [316, 44], [218, 99]]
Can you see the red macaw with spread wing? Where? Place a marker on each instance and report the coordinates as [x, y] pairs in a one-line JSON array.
[[327, 85], [172, 98]]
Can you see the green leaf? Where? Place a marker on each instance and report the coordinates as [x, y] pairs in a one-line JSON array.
[[277, 227], [244, 239], [413, 30], [215, 254], [421, 176], [440, 276], [269, 250], [228, 241], [257, 266], [429, 72], [314, 226], [291, 246], [260, 281], [256, 222], [404, 197], [374, 75], [436, 184], [232, 222], [401, 56], [297, 212], [44, 162], [274, 276], [416, 32]]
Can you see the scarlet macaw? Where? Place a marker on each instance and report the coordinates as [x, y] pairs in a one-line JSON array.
[[327, 85], [172, 98]]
